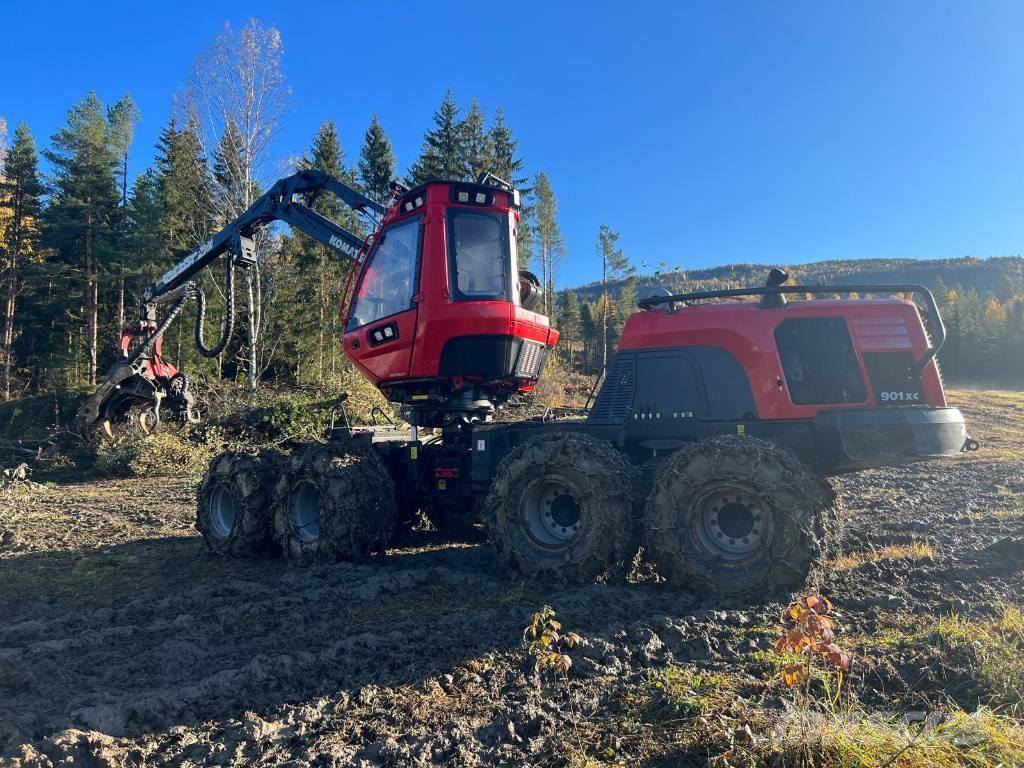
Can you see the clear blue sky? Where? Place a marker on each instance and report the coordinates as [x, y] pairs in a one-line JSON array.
[[706, 133]]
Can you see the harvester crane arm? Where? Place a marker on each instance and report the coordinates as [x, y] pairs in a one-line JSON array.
[[141, 376], [277, 204]]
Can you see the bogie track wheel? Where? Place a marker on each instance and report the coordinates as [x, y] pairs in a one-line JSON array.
[[732, 515], [561, 505], [234, 504], [333, 503]]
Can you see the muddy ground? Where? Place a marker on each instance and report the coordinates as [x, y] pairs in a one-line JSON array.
[[123, 643]]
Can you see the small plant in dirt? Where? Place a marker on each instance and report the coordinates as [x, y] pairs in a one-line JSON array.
[[809, 637], [548, 643]]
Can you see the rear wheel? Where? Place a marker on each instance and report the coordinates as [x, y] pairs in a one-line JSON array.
[[233, 512], [333, 503], [734, 515], [561, 504]]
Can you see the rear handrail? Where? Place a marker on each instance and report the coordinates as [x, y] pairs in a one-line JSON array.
[[938, 329]]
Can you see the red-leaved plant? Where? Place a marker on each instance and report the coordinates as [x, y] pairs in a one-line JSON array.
[[809, 633]]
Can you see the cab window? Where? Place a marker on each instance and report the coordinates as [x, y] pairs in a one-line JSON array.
[[389, 282], [819, 361], [478, 255]]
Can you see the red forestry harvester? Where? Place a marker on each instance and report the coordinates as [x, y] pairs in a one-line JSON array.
[[708, 442]]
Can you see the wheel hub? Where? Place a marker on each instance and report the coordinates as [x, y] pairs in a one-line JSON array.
[[733, 523], [551, 512], [305, 508], [223, 512]]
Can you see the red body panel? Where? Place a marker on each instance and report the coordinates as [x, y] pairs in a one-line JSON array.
[[436, 318], [746, 331], [155, 365]]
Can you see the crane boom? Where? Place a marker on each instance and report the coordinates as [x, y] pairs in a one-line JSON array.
[[277, 204], [140, 377]]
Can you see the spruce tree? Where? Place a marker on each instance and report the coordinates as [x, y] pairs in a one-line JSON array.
[[569, 319], [441, 156], [548, 235], [183, 177], [589, 334], [476, 152], [150, 251], [20, 199], [83, 205], [376, 162], [320, 270], [229, 175], [504, 146]]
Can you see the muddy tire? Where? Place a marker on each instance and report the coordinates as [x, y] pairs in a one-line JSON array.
[[234, 504], [561, 505], [734, 515], [824, 537], [333, 503]]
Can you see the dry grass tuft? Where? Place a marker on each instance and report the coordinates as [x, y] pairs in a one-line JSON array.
[[915, 550], [981, 739]]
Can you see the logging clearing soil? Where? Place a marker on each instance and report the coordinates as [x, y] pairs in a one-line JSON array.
[[123, 643]]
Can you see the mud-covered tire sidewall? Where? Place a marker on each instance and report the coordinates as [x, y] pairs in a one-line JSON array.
[[357, 504], [248, 480], [797, 531], [601, 479]]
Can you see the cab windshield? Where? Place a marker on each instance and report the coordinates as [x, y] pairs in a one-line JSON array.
[[389, 282]]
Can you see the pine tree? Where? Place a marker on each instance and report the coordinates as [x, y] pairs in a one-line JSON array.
[[548, 235], [376, 162], [614, 265], [83, 206], [441, 156], [504, 146], [20, 199], [476, 152], [122, 118]]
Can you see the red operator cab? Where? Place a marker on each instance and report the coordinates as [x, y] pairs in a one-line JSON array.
[[442, 319]]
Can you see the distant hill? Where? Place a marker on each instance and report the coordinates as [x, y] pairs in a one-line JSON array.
[[999, 276]]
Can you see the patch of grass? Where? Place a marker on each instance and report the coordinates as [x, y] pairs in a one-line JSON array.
[[996, 647], [676, 691], [976, 661], [915, 550], [982, 739]]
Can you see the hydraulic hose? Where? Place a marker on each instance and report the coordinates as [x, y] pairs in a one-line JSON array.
[[229, 314], [147, 345]]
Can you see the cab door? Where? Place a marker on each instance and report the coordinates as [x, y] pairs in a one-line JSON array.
[[381, 325]]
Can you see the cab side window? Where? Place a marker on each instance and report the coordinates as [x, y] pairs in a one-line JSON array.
[[478, 255]]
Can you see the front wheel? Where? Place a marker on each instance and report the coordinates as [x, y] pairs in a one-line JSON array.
[[561, 504], [731, 515]]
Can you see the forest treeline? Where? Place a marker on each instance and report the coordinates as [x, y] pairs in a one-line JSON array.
[[80, 241]]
